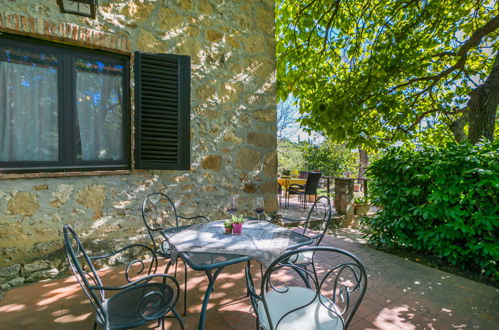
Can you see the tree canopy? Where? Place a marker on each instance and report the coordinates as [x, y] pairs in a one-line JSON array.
[[375, 72]]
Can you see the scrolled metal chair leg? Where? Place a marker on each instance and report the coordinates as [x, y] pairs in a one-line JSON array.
[[185, 289], [167, 267], [178, 318], [247, 290]]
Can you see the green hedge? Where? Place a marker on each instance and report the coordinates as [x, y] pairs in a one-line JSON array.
[[443, 201]]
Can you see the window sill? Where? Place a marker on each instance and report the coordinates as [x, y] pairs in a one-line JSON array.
[[62, 174]]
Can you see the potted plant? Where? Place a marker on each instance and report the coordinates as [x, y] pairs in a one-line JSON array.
[[285, 173], [237, 224], [228, 226], [361, 205]]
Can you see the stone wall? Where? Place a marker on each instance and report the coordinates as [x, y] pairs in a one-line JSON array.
[[233, 127]]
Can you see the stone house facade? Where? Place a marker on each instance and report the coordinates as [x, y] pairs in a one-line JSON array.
[[232, 127]]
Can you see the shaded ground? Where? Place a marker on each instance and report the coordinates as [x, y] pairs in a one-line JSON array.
[[401, 295]]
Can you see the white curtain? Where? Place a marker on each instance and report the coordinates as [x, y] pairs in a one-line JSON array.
[[28, 112], [100, 111]]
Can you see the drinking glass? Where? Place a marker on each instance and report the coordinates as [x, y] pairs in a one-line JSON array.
[[232, 205], [259, 207]]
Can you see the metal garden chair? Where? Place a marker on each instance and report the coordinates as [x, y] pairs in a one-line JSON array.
[[310, 188], [159, 212], [322, 297], [132, 304]]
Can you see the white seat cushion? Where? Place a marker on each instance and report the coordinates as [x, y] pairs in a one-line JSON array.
[[314, 316]]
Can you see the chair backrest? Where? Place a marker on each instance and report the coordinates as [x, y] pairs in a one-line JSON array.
[[158, 212], [334, 274], [318, 219], [304, 174], [83, 269], [312, 183]]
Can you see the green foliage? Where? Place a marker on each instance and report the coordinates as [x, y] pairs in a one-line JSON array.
[[439, 200], [371, 73], [290, 155], [237, 219], [361, 200], [330, 158], [228, 224], [327, 157]]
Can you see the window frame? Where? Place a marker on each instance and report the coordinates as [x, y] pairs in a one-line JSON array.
[[66, 108]]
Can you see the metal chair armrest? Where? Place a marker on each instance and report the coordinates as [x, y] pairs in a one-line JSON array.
[[207, 219], [296, 185], [152, 267], [145, 279], [121, 250]]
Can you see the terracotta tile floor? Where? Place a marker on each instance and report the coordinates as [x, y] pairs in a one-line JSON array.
[[401, 295]]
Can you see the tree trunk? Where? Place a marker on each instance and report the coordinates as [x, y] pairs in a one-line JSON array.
[[482, 106], [363, 163], [457, 128]]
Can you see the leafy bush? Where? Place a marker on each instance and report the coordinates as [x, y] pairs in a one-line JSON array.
[[439, 200], [361, 200]]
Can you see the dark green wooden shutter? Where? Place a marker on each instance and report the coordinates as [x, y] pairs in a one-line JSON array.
[[162, 111]]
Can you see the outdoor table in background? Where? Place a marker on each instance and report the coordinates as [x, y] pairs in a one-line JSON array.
[[286, 182], [205, 247]]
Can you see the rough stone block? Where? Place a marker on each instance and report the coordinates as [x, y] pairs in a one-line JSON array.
[[270, 164], [262, 140], [214, 35], [269, 187], [212, 162], [148, 42], [18, 281], [231, 137], [24, 203], [230, 92], [249, 188], [248, 159], [140, 11], [205, 7], [205, 92], [43, 274], [10, 270], [265, 19], [37, 265], [168, 19], [185, 4], [271, 204], [92, 197], [264, 115]]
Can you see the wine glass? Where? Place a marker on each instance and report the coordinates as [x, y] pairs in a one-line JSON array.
[[259, 207], [232, 205]]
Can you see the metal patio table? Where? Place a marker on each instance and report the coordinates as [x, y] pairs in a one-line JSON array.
[[213, 263]]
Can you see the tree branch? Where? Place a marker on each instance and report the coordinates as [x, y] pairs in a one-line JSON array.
[[462, 53]]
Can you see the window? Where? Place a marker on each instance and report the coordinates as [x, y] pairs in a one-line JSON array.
[[62, 108]]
